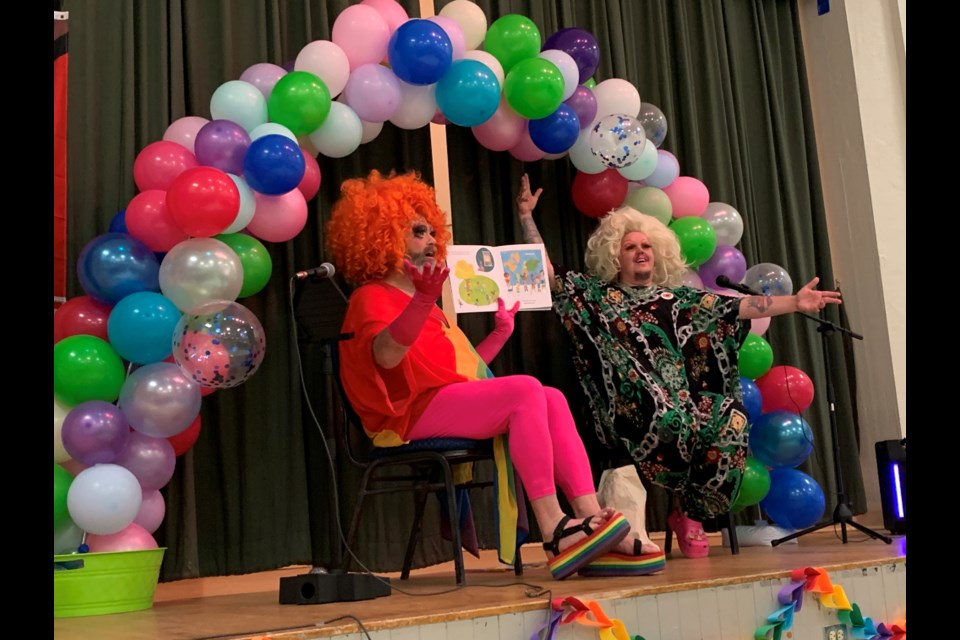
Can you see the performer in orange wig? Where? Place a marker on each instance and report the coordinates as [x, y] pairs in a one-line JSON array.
[[410, 374]]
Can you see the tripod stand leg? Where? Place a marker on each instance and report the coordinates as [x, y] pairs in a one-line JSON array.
[[797, 534], [870, 532]]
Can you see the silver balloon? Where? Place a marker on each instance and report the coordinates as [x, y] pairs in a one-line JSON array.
[[221, 346], [769, 279], [159, 400], [200, 270], [726, 221], [654, 123]]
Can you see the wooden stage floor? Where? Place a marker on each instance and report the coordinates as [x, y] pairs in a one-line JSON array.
[[247, 606]]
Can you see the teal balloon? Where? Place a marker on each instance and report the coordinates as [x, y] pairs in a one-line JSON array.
[[697, 239], [468, 94], [781, 439], [141, 327]]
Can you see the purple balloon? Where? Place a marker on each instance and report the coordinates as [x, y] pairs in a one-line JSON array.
[[95, 432], [582, 47], [151, 460], [263, 76], [584, 104], [222, 144], [727, 261]]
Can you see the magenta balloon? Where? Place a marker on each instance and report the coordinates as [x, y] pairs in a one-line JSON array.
[[582, 47], [727, 261], [151, 460], [222, 144], [95, 432], [584, 104]]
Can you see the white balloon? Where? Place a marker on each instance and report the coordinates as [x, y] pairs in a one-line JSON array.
[[240, 102], [471, 19], [340, 133], [104, 498], [328, 62], [616, 96], [370, 131], [272, 128], [568, 69], [726, 221], [582, 156], [248, 203], [418, 105], [487, 59], [200, 270]]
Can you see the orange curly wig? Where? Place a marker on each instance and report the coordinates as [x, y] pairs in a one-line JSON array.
[[367, 228]]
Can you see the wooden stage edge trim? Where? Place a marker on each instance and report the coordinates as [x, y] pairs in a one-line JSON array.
[[539, 602]]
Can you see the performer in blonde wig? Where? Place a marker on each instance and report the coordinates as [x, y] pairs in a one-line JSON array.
[[658, 361]]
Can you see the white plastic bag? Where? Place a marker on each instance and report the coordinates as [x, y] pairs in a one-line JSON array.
[[622, 490]]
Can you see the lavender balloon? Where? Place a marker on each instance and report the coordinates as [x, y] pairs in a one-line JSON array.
[[95, 432], [151, 460], [584, 104], [582, 47], [159, 400], [222, 144], [725, 261]]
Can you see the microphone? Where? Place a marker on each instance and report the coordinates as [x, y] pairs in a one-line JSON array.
[[325, 270], [727, 283]]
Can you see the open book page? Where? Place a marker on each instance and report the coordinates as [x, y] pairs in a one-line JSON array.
[[480, 274]]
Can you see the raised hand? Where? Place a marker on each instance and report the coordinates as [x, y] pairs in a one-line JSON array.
[[527, 200], [503, 321], [810, 300], [427, 280]]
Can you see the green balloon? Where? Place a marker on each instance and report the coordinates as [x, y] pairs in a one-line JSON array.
[[61, 486], [756, 357], [86, 368], [534, 88], [755, 484], [698, 240], [653, 202], [590, 83], [254, 258], [512, 38], [300, 101]]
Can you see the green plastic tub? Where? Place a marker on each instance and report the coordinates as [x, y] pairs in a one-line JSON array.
[[93, 584]]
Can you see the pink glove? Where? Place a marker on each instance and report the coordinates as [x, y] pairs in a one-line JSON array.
[[429, 285], [502, 329]]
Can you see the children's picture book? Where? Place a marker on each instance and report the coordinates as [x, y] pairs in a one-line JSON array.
[[480, 274]]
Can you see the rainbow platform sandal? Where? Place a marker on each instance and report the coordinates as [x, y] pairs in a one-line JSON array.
[[598, 542]]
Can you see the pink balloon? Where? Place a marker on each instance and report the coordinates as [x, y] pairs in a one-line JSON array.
[[184, 131], [363, 35], [133, 537], [391, 12], [278, 218], [152, 510], [454, 32], [525, 150], [688, 196], [503, 131], [759, 326], [147, 219], [310, 184], [263, 76], [159, 163]]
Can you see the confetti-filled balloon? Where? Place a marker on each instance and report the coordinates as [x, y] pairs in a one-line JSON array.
[[617, 140], [221, 346]]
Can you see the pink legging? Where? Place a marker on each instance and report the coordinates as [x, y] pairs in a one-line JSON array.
[[531, 414]]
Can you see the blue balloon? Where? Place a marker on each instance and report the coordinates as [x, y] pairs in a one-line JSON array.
[[273, 165], [114, 265], [141, 327], [795, 500], [781, 439], [119, 222], [752, 398], [469, 93], [557, 132], [420, 52]]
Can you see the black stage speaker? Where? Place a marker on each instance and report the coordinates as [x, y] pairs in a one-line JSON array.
[[316, 588], [892, 472]]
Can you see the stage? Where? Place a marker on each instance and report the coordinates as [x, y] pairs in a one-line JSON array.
[[723, 597]]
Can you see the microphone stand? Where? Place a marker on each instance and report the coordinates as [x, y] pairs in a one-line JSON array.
[[843, 514]]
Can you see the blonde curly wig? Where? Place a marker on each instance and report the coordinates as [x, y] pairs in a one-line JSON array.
[[603, 248]]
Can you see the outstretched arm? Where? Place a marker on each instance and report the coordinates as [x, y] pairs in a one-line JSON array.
[[807, 299], [526, 203], [392, 344], [502, 329]]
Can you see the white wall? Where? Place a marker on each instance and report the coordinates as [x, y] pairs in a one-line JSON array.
[[856, 65]]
